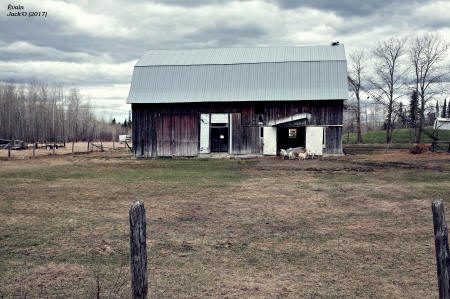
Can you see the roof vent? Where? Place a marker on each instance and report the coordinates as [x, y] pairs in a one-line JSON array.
[[336, 43]]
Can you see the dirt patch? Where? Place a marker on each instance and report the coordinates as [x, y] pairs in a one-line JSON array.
[[360, 163]]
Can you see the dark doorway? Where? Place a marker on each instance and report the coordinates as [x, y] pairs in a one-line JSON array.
[[290, 137], [219, 139]]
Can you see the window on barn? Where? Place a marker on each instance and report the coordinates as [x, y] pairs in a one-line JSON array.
[[261, 132], [292, 133], [259, 114]]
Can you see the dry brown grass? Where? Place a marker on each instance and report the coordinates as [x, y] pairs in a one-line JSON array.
[[340, 227], [79, 147]]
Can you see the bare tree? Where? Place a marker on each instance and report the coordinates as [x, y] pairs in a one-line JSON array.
[[426, 55], [40, 112], [60, 113], [8, 111], [387, 85], [355, 74], [73, 111]]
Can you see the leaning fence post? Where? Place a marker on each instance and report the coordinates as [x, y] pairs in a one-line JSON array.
[[442, 251], [138, 250]]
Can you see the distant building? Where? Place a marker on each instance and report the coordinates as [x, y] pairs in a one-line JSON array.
[[238, 100], [442, 123]]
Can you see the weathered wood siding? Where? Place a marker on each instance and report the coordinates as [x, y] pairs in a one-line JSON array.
[[333, 140], [245, 138], [177, 134], [173, 129]]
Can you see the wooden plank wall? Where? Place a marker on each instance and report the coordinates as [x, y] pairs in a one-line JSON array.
[[173, 129], [142, 132], [246, 138], [333, 140], [322, 112], [177, 134]]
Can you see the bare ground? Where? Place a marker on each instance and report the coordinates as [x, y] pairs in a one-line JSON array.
[[355, 226]]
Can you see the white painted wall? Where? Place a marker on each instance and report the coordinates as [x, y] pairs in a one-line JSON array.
[[270, 141], [314, 139], [219, 118], [204, 133], [442, 123]]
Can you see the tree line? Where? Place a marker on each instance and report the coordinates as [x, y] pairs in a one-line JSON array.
[[406, 76], [45, 113]]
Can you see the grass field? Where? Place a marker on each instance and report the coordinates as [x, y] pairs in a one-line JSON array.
[[399, 136], [355, 226]]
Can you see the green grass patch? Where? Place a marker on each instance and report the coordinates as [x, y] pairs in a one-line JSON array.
[[192, 171], [399, 136]]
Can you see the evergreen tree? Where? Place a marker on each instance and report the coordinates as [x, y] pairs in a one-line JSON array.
[[113, 121], [402, 115], [413, 109], [437, 109], [448, 109], [129, 119], [444, 109], [125, 124]]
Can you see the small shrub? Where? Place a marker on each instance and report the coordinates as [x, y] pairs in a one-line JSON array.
[[419, 148]]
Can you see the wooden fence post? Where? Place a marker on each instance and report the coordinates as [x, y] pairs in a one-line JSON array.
[[9, 149], [138, 250], [442, 250]]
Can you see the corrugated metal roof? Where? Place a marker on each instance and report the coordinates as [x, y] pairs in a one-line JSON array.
[[240, 74], [241, 55]]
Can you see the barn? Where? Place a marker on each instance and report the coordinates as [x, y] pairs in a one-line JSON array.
[[238, 101], [442, 123]]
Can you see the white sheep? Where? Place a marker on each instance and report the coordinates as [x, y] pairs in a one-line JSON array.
[[283, 153], [310, 154], [291, 155], [302, 156]]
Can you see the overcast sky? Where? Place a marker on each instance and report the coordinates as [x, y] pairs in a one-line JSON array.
[[94, 44]]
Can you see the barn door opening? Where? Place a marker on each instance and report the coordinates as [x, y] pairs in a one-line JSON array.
[[219, 132], [219, 139], [290, 137]]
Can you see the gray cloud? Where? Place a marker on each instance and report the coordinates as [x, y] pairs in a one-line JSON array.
[[222, 36], [349, 7], [94, 44], [48, 34], [191, 3]]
